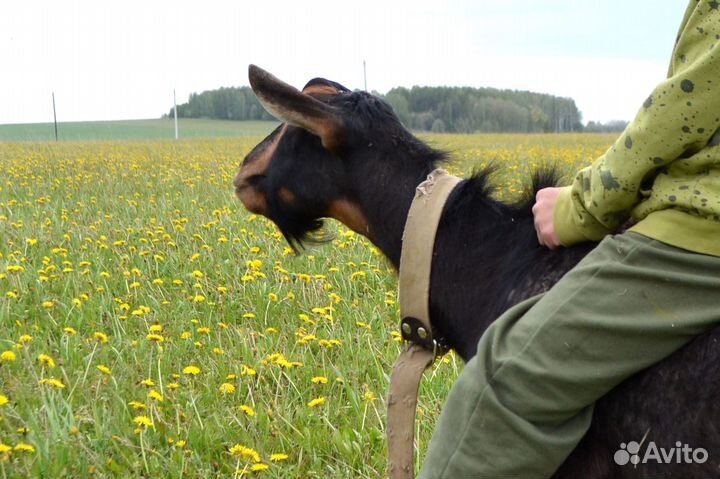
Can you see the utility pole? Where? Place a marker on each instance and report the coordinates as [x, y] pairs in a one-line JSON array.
[[365, 74], [54, 116], [175, 113]]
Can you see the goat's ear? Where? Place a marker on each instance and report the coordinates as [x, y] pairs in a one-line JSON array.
[[288, 104]]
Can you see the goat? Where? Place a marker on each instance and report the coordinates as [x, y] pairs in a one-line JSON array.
[[345, 155]]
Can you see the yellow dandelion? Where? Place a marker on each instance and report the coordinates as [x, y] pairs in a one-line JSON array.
[[369, 396], [143, 421], [47, 304], [4, 449], [101, 337], [148, 382], [155, 396], [7, 357], [52, 382], [227, 388], [155, 338], [104, 369], [259, 467], [137, 406], [249, 411], [46, 360], [191, 371], [3, 400], [316, 402], [245, 452], [319, 380], [24, 447], [69, 331], [278, 457]]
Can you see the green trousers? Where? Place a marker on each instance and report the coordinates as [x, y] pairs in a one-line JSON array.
[[523, 403]]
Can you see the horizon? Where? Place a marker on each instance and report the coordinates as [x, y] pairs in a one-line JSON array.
[[110, 62]]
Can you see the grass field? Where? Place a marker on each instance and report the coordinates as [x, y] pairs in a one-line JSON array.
[[151, 327], [157, 129]]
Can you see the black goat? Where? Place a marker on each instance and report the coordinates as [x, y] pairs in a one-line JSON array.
[[345, 155]]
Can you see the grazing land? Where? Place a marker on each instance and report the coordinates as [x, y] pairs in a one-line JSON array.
[[157, 129], [151, 327]]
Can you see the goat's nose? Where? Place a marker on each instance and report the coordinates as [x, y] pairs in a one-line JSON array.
[[239, 180]]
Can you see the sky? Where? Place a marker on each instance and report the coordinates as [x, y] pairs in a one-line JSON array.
[[110, 59]]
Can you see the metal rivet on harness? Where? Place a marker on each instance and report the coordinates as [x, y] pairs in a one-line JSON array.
[[422, 333]]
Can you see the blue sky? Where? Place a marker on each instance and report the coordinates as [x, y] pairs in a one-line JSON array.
[[122, 59]]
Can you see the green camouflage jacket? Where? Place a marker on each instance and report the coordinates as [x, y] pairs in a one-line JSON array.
[[664, 170]]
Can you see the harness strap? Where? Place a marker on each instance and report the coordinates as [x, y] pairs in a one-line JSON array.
[[415, 269]]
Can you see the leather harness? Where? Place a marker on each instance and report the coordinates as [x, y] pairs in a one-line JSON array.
[[422, 347]]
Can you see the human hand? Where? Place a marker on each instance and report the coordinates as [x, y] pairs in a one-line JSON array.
[[543, 211]]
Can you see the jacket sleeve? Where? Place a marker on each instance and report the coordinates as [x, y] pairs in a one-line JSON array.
[[677, 120]]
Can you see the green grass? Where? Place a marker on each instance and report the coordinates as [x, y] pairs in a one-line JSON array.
[[136, 257], [134, 130]]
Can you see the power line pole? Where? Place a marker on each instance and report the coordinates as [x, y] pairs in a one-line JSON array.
[[54, 116], [175, 113], [365, 74]]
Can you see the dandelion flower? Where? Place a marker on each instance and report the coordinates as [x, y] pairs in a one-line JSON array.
[[249, 411], [7, 357], [104, 369], [143, 421], [191, 370], [316, 402], [155, 396], [245, 452], [23, 447], [3, 400], [46, 360], [259, 467], [136, 405], [369, 396], [101, 337], [278, 457], [319, 380], [52, 382], [227, 388]]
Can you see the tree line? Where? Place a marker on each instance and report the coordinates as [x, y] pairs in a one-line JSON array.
[[437, 109], [226, 103]]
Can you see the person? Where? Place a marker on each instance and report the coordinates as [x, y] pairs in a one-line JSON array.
[[523, 403]]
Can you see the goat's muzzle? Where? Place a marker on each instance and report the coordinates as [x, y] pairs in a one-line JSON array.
[[247, 191]]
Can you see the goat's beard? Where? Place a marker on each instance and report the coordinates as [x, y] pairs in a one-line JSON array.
[[296, 226]]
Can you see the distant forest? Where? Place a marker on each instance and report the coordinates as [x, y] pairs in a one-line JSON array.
[[437, 109]]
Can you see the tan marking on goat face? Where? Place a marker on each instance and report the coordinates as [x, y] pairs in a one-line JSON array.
[[286, 196], [350, 215], [320, 90], [256, 164]]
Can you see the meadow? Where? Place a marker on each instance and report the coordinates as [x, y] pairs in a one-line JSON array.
[[151, 327]]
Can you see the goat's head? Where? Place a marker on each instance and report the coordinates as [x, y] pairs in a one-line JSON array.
[[314, 164]]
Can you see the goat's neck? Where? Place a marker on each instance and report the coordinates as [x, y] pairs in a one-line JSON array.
[[385, 208]]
